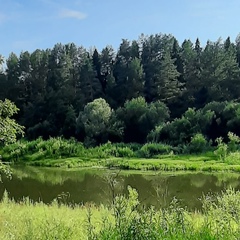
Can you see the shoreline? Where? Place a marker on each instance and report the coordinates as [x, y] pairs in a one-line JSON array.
[[191, 163]]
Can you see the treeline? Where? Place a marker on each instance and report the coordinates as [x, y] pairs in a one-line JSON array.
[[152, 89]]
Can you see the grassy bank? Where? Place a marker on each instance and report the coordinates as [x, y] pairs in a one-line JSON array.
[[58, 152], [166, 163], [124, 219]]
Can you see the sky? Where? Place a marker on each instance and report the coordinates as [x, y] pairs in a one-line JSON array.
[[27, 25]]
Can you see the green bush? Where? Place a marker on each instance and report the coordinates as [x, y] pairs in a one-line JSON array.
[[39, 148], [133, 146], [14, 151], [233, 158], [114, 150], [152, 149], [222, 149], [234, 140], [154, 135], [181, 130], [198, 144], [124, 152]]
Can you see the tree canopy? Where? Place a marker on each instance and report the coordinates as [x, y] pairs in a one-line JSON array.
[[150, 83], [9, 129]]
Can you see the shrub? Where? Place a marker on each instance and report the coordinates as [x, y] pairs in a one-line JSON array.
[[234, 140], [221, 150], [233, 158], [152, 149], [181, 130], [124, 152], [198, 144], [14, 151], [154, 135], [53, 148], [114, 150]]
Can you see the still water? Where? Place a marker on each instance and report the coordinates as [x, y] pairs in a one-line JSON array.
[[81, 186]]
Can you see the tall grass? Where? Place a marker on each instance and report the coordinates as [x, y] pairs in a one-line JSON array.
[[28, 220], [58, 152], [39, 149], [61, 148], [124, 219]]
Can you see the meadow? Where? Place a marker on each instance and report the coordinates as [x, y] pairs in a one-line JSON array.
[[123, 219]]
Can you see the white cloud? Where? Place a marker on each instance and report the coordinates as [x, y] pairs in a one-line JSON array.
[[67, 13]]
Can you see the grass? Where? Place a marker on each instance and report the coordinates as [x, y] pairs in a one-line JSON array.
[[28, 220], [124, 219], [207, 163], [59, 152]]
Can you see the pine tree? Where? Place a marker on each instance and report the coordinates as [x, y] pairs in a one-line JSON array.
[[168, 86], [90, 87]]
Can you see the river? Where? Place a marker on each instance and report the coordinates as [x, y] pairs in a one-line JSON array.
[[87, 185]]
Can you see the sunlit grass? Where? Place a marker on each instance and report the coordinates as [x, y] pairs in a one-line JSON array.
[[125, 219], [28, 220], [59, 152], [176, 163]]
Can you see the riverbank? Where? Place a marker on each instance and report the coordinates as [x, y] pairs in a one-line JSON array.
[[124, 219], [165, 163], [58, 152]]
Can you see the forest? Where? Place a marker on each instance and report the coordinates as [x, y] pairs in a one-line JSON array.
[[152, 89], [153, 104]]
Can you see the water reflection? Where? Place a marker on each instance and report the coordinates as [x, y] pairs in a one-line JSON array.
[[81, 186]]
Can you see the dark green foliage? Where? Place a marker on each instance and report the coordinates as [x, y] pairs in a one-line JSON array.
[[181, 130], [97, 121], [145, 83], [225, 119], [198, 144], [167, 84], [140, 118]]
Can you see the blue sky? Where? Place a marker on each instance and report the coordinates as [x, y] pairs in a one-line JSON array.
[[27, 25]]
